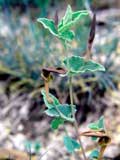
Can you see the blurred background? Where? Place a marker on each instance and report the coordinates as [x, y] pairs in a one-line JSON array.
[[26, 47]]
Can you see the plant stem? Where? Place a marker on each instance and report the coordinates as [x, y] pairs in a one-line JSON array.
[[29, 153], [66, 132], [101, 152], [73, 114]]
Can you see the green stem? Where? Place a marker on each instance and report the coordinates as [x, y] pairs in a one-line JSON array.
[[72, 109], [73, 114], [29, 153], [66, 132]]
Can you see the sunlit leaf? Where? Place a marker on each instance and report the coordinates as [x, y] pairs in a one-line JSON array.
[[71, 144], [48, 104], [52, 112], [94, 138], [94, 155], [94, 126], [67, 35], [101, 122], [37, 146], [62, 110], [98, 125], [67, 18], [56, 123], [63, 31], [48, 24], [66, 109], [78, 15], [70, 19], [68, 15], [77, 64]]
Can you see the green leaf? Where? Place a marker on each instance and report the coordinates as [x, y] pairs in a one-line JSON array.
[[65, 27], [65, 109], [70, 19], [48, 24], [93, 126], [56, 122], [63, 31], [28, 145], [94, 154], [61, 110], [77, 64], [68, 15], [98, 125], [52, 112], [32, 145], [67, 35], [94, 138], [66, 18], [49, 105], [71, 144], [37, 146], [101, 122], [76, 16]]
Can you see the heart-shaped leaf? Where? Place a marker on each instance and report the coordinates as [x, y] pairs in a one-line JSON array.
[[98, 125], [76, 16], [48, 24], [94, 155], [61, 110], [101, 123], [68, 15], [56, 123], [65, 109], [77, 64], [71, 144], [48, 104], [52, 112], [70, 19], [67, 18], [62, 31], [94, 138], [67, 35], [93, 126]]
